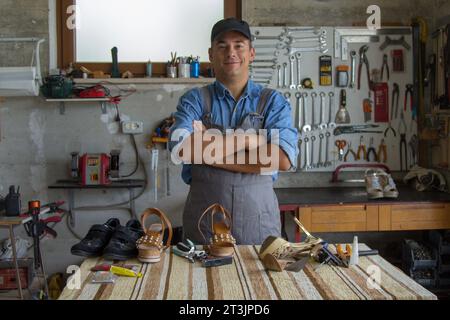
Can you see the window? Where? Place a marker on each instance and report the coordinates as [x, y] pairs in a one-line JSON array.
[[142, 30]]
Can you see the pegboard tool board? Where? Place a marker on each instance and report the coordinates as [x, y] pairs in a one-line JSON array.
[[287, 59]]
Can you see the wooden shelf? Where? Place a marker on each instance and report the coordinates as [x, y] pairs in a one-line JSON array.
[[78, 100], [145, 81]]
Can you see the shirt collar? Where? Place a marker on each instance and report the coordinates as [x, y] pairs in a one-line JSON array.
[[251, 89]]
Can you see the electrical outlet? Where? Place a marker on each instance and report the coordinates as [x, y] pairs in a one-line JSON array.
[[132, 127]]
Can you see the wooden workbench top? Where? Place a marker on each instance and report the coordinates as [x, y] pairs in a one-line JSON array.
[[175, 278]]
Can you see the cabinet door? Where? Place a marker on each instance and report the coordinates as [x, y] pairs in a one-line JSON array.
[[340, 218], [415, 216]]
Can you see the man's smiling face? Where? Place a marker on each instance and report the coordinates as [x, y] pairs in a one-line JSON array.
[[230, 55]]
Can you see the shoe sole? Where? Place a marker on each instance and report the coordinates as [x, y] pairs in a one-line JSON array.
[[149, 260], [375, 195], [391, 194], [269, 245]]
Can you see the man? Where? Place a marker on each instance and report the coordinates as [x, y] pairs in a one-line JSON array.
[[233, 102]]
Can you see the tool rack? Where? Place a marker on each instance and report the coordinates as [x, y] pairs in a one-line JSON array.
[[276, 66]]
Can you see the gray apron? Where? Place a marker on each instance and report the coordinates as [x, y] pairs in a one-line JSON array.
[[248, 197]]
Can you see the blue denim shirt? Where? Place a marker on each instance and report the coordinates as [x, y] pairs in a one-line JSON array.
[[225, 111]]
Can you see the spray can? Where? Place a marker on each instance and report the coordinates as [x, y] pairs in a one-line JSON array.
[[195, 68], [148, 69]]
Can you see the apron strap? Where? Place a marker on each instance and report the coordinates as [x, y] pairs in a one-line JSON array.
[[206, 96], [262, 103]]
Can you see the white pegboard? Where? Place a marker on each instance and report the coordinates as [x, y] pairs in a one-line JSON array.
[[355, 97]]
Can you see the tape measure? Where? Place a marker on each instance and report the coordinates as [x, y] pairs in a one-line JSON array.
[[325, 71], [307, 83]]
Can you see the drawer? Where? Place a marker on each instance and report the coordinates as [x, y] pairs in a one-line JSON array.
[[420, 216]]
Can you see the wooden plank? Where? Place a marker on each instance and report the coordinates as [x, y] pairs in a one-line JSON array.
[[420, 225], [372, 218], [384, 218]]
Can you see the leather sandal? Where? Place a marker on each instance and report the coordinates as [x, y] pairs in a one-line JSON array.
[[150, 246], [222, 242]]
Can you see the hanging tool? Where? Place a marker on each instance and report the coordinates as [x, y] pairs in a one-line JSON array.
[[409, 92], [403, 151], [342, 115], [325, 70], [340, 144], [385, 65], [414, 147], [155, 154], [381, 91], [356, 129], [367, 109], [395, 42], [395, 97], [371, 150], [397, 60], [361, 148], [349, 151], [382, 153], [363, 60], [394, 94]]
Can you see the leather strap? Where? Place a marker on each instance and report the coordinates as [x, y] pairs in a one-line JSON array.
[[206, 96], [165, 223], [216, 207]]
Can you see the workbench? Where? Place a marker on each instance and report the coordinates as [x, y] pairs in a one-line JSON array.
[[348, 209], [175, 278]]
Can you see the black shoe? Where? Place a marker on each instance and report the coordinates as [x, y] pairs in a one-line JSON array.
[[96, 239], [122, 245]]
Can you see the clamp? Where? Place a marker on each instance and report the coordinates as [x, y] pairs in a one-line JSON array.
[[349, 151], [371, 150], [409, 92], [363, 60], [383, 66], [382, 153], [361, 148]]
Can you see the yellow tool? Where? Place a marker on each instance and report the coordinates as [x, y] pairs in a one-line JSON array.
[[344, 255], [124, 272]]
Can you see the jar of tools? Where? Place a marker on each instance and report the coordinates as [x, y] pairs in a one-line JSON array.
[[184, 67]]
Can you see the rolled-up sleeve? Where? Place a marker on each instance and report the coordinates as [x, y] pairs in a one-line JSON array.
[[189, 108], [279, 117]]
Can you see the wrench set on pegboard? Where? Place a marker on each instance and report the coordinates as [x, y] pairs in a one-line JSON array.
[[338, 102]]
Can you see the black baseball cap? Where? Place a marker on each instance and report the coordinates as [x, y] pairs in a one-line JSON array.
[[231, 24]]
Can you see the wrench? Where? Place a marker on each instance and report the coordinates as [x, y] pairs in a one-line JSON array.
[[280, 37], [353, 68], [307, 164], [299, 158], [285, 75], [313, 102], [265, 60], [279, 76], [264, 54], [287, 96], [312, 165], [322, 124], [291, 61], [327, 146], [320, 163], [298, 56], [321, 48], [305, 127], [252, 67], [298, 96], [331, 123], [314, 30]]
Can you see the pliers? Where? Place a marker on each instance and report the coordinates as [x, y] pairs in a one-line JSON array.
[[383, 66], [409, 92], [382, 154], [395, 95], [402, 133], [363, 59], [361, 148], [371, 150], [349, 151]]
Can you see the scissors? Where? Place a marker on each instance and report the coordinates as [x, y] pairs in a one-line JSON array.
[[340, 144]]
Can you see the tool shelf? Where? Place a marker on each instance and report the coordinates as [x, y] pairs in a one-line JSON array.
[[62, 102]]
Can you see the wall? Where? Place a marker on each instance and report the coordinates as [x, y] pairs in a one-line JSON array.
[[36, 140]]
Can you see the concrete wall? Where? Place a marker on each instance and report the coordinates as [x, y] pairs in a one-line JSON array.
[[36, 140]]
